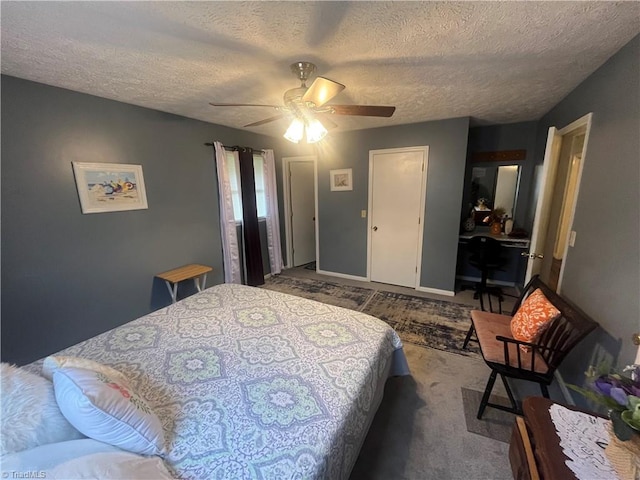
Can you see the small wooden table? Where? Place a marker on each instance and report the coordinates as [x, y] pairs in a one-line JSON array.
[[535, 452], [187, 272]]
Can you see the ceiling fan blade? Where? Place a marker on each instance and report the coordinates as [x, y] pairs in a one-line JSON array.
[[326, 121], [363, 110], [241, 105], [267, 120], [321, 91]]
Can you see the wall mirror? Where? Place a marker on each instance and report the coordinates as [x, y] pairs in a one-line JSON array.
[[498, 184]]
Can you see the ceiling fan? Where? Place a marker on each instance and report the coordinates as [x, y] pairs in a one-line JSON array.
[[307, 106]]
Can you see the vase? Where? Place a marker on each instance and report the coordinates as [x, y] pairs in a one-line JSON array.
[[508, 226], [496, 228], [621, 428]]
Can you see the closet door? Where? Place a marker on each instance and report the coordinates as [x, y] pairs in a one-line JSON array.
[[397, 180], [303, 212]]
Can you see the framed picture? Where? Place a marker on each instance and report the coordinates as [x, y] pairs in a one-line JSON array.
[[341, 180], [110, 187]]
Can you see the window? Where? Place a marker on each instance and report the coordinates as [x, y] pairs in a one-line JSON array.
[[233, 167]]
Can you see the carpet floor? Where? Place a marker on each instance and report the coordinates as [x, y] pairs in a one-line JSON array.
[[420, 432], [421, 321]]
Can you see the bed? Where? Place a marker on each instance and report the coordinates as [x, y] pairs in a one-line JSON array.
[[254, 384]]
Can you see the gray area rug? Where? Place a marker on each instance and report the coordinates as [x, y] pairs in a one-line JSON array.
[[425, 322], [331, 293], [495, 423], [422, 321]]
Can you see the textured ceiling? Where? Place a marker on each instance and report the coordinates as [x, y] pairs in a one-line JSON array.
[[498, 62]]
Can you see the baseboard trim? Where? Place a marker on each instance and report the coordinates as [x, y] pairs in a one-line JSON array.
[[342, 275], [437, 291]]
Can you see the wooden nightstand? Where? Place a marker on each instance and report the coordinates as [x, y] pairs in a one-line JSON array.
[[187, 272]]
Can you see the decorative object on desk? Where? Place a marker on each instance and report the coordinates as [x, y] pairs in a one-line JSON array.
[[469, 225], [620, 395], [495, 219], [519, 233], [508, 225], [482, 206], [110, 187]]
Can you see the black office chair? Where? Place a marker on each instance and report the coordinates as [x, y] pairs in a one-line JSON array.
[[486, 256]]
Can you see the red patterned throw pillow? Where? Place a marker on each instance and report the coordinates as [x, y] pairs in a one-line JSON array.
[[533, 317]]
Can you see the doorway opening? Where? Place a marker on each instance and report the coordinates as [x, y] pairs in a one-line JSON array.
[[558, 193], [300, 209]]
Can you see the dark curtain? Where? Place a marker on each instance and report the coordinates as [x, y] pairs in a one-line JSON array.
[[252, 250]]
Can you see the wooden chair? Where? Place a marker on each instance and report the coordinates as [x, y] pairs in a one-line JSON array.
[[503, 355]]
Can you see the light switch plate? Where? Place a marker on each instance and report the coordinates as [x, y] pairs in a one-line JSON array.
[[572, 238], [363, 214]]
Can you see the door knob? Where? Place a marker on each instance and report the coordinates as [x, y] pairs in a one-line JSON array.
[[532, 255], [375, 229]]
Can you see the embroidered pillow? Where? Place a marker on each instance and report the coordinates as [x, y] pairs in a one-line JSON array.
[[52, 363], [108, 411], [533, 317]]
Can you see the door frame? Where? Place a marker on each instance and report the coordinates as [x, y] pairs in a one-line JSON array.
[[424, 149], [584, 121], [286, 190]]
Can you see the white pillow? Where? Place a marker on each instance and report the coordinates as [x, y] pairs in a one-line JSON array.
[[82, 459], [108, 411], [51, 364], [30, 415]]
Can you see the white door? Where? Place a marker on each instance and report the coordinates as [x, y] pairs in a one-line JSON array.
[[303, 211], [543, 205], [397, 180], [539, 234]]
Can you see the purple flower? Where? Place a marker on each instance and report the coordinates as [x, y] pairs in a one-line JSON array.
[[603, 385], [619, 395]]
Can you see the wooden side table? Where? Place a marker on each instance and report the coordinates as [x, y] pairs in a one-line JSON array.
[[535, 451], [187, 272]]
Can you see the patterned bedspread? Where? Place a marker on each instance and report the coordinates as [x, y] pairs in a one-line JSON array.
[[255, 384]]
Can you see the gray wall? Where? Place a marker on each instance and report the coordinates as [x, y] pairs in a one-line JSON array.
[[343, 233], [602, 273], [68, 276]]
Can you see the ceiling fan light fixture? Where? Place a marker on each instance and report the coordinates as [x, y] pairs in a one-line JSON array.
[[315, 131], [295, 132]]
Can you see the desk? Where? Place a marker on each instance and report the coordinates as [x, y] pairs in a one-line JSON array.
[[187, 272], [505, 239], [510, 275]]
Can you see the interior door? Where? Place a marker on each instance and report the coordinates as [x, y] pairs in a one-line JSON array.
[[397, 180], [543, 206], [303, 228]]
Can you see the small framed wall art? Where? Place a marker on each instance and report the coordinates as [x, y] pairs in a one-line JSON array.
[[110, 187], [341, 180]]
